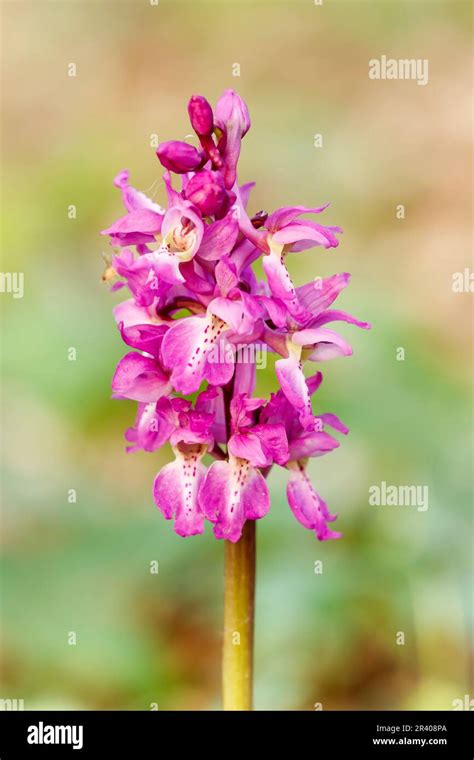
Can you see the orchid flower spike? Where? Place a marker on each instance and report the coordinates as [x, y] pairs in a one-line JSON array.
[[197, 320]]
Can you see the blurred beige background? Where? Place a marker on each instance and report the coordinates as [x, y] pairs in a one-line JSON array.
[[84, 567]]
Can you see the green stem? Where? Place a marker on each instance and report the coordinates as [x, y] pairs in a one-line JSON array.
[[239, 603]]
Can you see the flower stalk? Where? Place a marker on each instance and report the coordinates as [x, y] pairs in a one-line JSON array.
[[239, 606]]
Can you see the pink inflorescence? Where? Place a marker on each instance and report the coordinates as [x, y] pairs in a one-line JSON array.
[[195, 256]]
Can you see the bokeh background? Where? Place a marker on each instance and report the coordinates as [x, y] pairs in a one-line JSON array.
[[84, 567]]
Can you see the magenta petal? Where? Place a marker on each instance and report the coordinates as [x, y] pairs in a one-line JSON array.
[[242, 410], [220, 362], [255, 496], [327, 344], [226, 276], [166, 266], [306, 231], [276, 310], [194, 427], [194, 349], [248, 446], [219, 238], [139, 378], [231, 493], [211, 401], [312, 443], [146, 338], [141, 220], [197, 280], [140, 276], [281, 285], [283, 216], [332, 315], [245, 191], [233, 313], [182, 352], [129, 314], [323, 352], [121, 179], [293, 385], [149, 432], [333, 421], [307, 506], [134, 199], [274, 440], [314, 382], [321, 293], [215, 502], [243, 255], [176, 489]]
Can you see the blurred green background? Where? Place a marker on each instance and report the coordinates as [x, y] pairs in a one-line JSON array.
[[84, 567]]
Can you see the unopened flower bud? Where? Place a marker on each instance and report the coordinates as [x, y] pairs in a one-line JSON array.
[[206, 190], [179, 157], [232, 113], [201, 116], [232, 118]]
